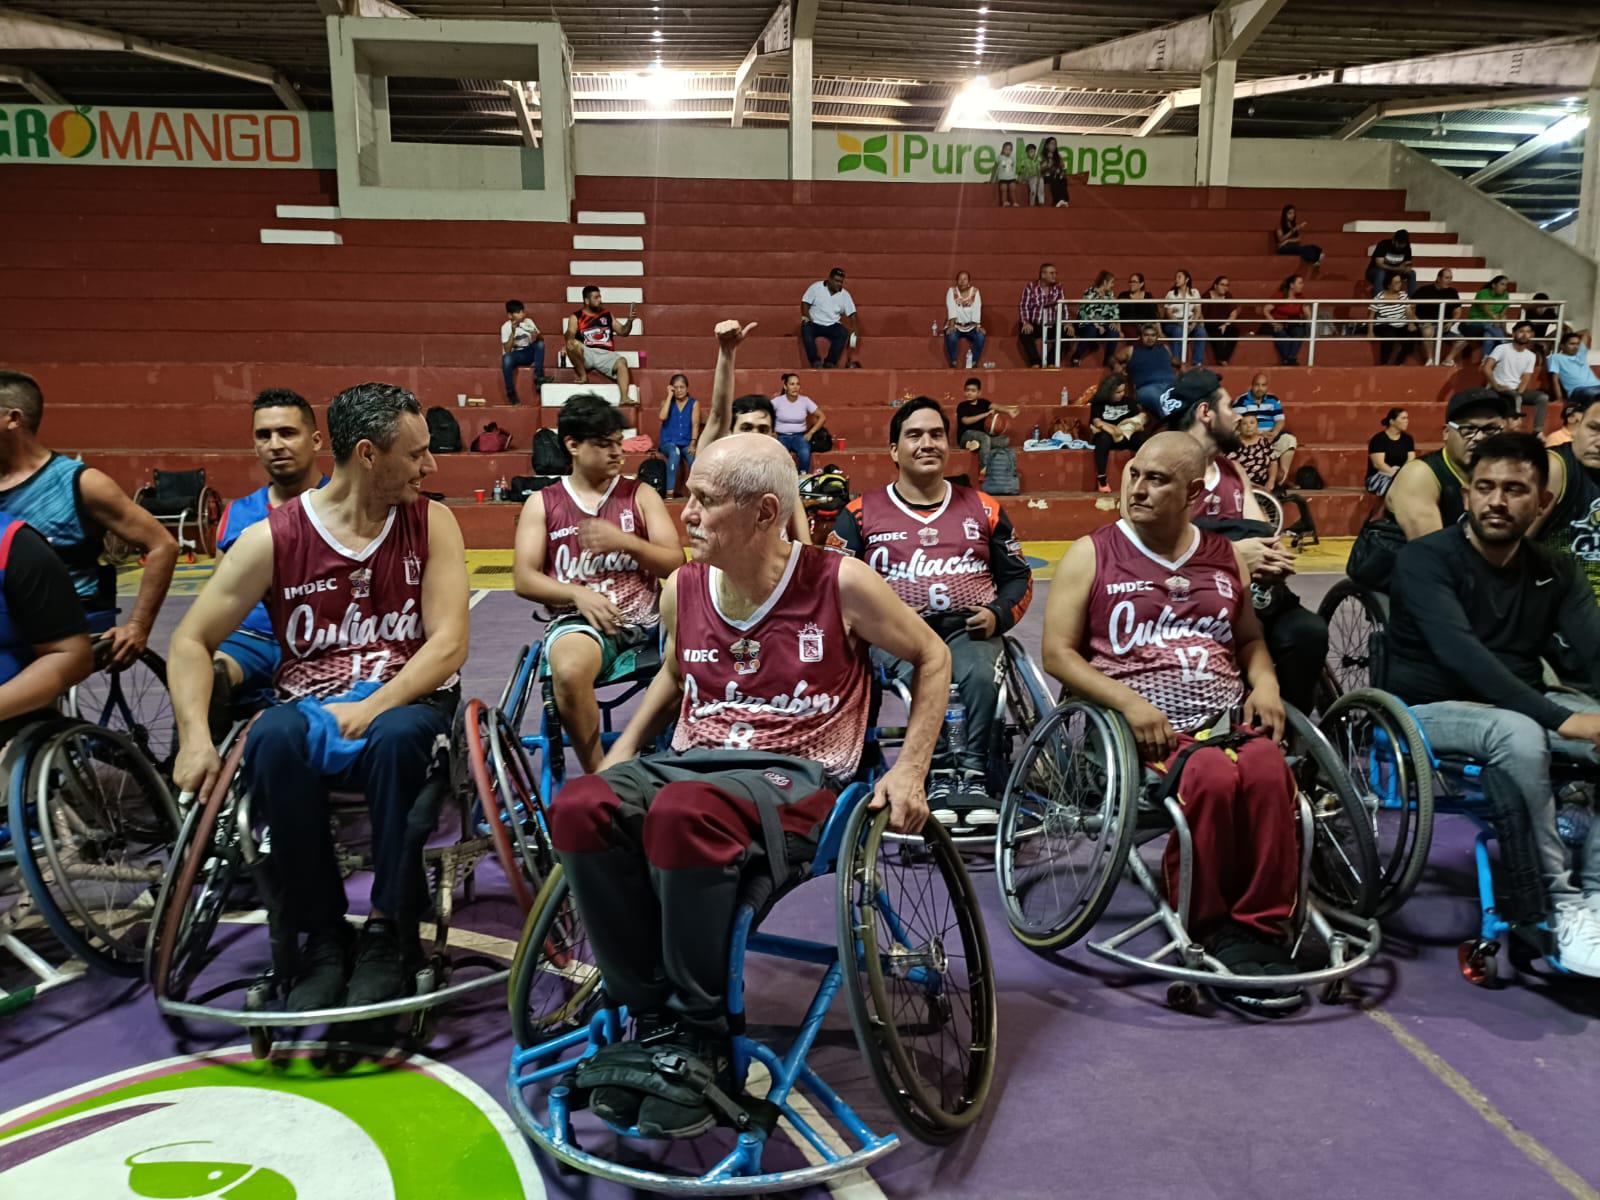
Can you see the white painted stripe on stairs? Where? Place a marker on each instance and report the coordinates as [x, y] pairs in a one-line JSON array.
[[606, 267], [610, 218], [301, 237], [591, 242], [613, 295], [1442, 250], [1391, 225], [554, 395], [308, 212]]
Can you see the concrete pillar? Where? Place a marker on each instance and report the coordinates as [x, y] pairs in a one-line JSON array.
[[1216, 123], [800, 108], [1586, 229]]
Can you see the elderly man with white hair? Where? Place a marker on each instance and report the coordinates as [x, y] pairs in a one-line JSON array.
[[766, 670]]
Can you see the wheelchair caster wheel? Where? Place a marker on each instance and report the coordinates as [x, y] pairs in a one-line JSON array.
[[1183, 997], [260, 1042], [427, 980], [1478, 961]]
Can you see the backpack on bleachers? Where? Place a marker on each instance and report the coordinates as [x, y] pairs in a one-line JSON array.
[[549, 455], [444, 433], [653, 473], [1000, 472]]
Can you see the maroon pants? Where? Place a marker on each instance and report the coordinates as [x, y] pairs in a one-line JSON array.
[[1240, 807]]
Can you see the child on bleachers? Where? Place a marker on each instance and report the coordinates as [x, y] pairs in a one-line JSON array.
[[1028, 172], [1005, 176]]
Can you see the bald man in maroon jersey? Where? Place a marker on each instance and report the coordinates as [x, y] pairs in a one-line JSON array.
[[1152, 617]]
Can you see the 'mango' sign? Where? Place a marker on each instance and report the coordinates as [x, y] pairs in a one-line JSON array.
[[962, 158], [154, 137]]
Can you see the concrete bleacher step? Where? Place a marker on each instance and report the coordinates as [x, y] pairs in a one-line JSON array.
[[609, 294], [589, 242], [606, 268], [554, 395], [1388, 226], [300, 237], [593, 217], [309, 212]]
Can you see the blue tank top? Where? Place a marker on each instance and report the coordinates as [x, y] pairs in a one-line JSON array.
[[677, 429], [15, 652], [51, 500], [236, 518]]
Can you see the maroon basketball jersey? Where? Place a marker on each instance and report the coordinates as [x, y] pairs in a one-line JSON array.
[[1166, 628], [635, 591], [789, 679], [934, 560], [341, 617], [1225, 498]]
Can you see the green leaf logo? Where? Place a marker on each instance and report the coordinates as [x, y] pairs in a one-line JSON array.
[[873, 154], [851, 158]]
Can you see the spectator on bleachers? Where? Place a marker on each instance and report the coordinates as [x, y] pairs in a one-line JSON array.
[[1388, 450], [1097, 320], [979, 422], [1254, 454], [1179, 313], [1571, 413], [1487, 318], [798, 417], [1393, 323], [1151, 372], [1222, 322], [1028, 171], [1392, 256], [680, 429], [591, 335], [963, 318], [521, 345], [1509, 370], [1036, 317], [1053, 170], [1005, 175], [1570, 373], [1288, 234], [1137, 306], [1286, 319], [827, 311], [1547, 323], [1437, 302], [1116, 422], [1259, 402]]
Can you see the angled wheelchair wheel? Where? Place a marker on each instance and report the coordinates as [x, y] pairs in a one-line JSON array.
[[1067, 824], [1344, 857], [1387, 757], [508, 800], [135, 702], [917, 974], [555, 984], [1355, 617], [1271, 508], [208, 516], [99, 823]]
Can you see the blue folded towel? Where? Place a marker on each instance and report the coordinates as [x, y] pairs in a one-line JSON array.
[[329, 752]]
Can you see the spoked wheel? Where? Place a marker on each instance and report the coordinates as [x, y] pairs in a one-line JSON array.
[[1271, 508], [508, 799], [1355, 617], [99, 824], [1344, 859], [135, 702], [555, 984], [917, 973], [1067, 824], [514, 698], [1386, 755]]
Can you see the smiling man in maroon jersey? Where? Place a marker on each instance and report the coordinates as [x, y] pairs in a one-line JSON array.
[[766, 669], [365, 582], [1152, 617]]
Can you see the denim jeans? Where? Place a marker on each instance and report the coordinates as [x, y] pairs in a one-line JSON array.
[[952, 345], [1149, 396], [798, 445], [1521, 748], [837, 337], [1092, 337], [528, 356], [673, 455], [1172, 331], [1492, 333], [1288, 339], [1539, 400], [975, 671]]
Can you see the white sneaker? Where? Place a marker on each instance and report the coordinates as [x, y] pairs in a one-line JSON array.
[[1591, 901], [1576, 927]]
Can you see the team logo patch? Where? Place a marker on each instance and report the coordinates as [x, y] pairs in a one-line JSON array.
[[1213, 505], [413, 569], [746, 656], [973, 531], [1177, 587], [811, 644], [361, 583], [626, 520], [928, 535], [776, 779], [1224, 585]]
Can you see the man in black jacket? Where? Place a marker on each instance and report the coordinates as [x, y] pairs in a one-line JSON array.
[[1475, 608]]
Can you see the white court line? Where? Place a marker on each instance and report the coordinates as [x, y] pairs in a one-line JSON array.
[[855, 1185], [477, 597]]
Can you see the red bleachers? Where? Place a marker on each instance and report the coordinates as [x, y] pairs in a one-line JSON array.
[[150, 311]]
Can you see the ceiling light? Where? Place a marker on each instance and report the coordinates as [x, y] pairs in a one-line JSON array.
[[656, 35], [972, 102], [1565, 129]]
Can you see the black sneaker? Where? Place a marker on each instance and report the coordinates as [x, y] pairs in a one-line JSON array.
[[379, 972], [321, 967], [1244, 952], [662, 1118], [941, 796], [619, 1106]]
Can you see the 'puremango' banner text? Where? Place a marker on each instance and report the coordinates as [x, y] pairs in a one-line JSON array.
[[902, 156]]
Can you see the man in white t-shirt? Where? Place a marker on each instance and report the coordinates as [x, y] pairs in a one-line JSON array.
[[521, 345], [827, 311], [1509, 368]]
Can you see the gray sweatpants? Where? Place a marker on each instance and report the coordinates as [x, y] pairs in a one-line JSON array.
[[975, 667]]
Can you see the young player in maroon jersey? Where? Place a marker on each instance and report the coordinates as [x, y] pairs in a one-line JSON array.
[[766, 670], [593, 546], [950, 553], [365, 582], [1152, 617]]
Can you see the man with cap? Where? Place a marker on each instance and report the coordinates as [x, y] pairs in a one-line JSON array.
[[1199, 406], [1426, 494]]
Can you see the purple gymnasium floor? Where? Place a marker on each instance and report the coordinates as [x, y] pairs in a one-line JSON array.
[[1420, 1086]]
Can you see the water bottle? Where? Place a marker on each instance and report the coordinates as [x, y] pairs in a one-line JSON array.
[[1066, 396], [1574, 816], [1036, 433], [499, 489], [935, 329], [955, 723]]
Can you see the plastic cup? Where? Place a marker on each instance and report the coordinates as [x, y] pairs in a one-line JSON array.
[[478, 494], [838, 443], [461, 399]]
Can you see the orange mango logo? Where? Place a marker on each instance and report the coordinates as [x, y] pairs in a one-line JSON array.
[[72, 133]]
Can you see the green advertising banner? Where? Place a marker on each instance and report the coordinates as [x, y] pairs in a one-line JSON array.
[[164, 137], [900, 156]]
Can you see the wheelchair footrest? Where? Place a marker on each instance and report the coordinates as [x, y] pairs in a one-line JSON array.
[[669, 1073]]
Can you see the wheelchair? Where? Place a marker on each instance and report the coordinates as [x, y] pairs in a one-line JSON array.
[[89, 825], [186, 504], [1079, 809], [133, 701], [911, 956], [222, 864], [1355, 616]]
